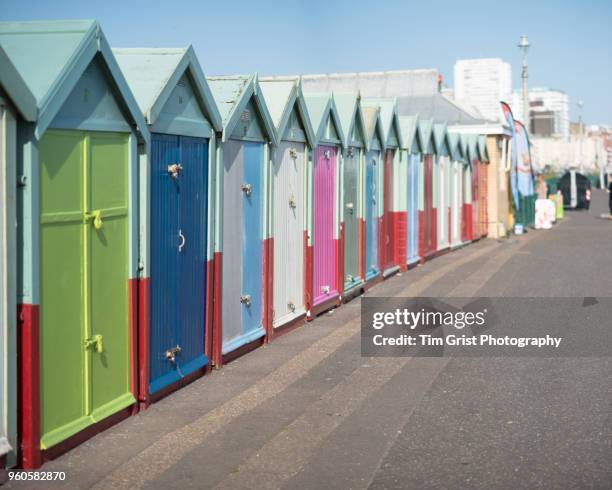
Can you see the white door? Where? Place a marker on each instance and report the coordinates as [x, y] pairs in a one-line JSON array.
[[8, 219], [289, 209], [442, 204]]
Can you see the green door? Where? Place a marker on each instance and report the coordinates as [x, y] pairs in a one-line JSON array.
[[351, 207], [84, 327]]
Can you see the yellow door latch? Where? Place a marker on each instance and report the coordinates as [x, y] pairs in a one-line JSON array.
[[96, 342], [96, 217]]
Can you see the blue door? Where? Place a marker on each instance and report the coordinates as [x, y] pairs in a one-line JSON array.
[[179, 168], [371, 215]]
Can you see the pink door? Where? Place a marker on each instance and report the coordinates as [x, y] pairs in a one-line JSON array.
[[324, 240]]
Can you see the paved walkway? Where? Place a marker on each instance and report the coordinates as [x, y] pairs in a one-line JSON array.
[[307, 411]]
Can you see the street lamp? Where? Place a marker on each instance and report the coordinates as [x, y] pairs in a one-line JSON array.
[[524, 46], [580, 104]]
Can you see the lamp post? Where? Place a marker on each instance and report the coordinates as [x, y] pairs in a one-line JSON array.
[[524, 47], [580, 104]]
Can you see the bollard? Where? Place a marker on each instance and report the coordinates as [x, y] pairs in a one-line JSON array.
[[560, 211]]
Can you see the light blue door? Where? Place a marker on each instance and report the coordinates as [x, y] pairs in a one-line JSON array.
[[252, 239], [413, 208]]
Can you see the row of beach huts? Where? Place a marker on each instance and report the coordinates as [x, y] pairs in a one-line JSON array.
[[156, 222]]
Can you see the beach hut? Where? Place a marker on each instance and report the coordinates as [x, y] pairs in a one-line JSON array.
[[351, 186], [483, 185], [78, 230], [373, 191], [427, 209], [242, 162], [288, 203], [442, 174], [409, 255], [474, 158], [176, 256], [325, 282], [17, 106], [393, 224], [466, 214], [458, 163]]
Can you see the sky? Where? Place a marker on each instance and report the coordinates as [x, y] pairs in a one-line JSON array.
[[571, 40]]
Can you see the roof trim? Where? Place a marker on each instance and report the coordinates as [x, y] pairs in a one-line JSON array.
[[444, 140], [296, 98], [482, 148], [408, 138], [16, 89], [188, 62], [330, 111], [92, 44], [251, 89], [425, 127], [357, 115], [456, 149], [378, 128], [395, 122]]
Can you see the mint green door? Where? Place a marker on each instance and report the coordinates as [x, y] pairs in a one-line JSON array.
[[84, 327]]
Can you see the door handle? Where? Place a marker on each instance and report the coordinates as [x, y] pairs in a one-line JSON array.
[[174, 170], [95, 342], [172, 352], [247, 189], [182, 243], [96, 217]]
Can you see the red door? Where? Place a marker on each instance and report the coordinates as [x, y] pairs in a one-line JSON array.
[[388, 228], [484, 218], [475, 200]]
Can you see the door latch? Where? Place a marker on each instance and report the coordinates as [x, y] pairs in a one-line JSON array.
[[172, 352], [350, 206], [327, 154], [95, 342], [245, 299], [96, 217], [247, 189], [182, 242], [293, 153], [292, 203], [174, 169], [325, 289], [291, 306]]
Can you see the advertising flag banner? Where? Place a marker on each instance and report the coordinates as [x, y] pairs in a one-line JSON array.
[[513, 154], [523, 158]]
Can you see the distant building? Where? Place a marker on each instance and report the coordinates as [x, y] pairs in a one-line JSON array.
[[482, 84], [397, 83], [549, 112]]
